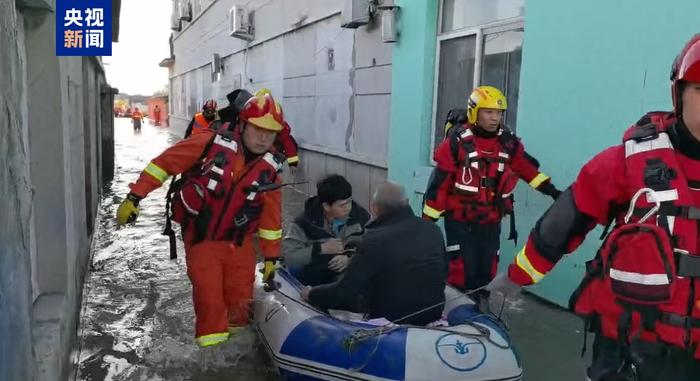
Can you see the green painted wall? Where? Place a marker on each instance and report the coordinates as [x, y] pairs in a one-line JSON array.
[[413, 66], [590, 69]]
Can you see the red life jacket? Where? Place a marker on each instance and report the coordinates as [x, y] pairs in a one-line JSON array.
[[484, 180], [645, 280], [223, 204]]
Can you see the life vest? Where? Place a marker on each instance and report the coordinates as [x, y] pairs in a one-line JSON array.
[[644, 282], [220, 202], [201, 124], [484, 179]]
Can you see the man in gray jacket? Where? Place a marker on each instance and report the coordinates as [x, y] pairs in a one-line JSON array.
[[317, 245]]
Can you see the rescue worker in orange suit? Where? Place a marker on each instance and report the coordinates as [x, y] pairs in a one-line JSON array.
[[202, 120], [229, 193], [156, 115], [478, 166], [136, 119], [641, 292]]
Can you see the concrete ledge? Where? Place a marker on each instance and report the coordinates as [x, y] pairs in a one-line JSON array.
[[48, 316]]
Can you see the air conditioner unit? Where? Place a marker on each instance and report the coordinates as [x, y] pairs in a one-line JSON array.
[[241, 23], [185, 11], [355, 13], [175, 24]]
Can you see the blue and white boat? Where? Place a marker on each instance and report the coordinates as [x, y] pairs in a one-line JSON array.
[[307, 344]]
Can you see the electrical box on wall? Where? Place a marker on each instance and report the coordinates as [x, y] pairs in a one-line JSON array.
[[216, 66], [241, 23], [354, 14]]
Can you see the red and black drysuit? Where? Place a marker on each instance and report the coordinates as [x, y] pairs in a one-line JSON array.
[[641, 292], [472, 185]]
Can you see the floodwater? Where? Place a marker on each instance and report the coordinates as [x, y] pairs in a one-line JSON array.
[[137, 319]]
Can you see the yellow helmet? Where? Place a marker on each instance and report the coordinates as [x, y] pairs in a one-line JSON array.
[[484, 97]]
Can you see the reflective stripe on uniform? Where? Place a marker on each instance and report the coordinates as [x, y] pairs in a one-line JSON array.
[[524, 263], [270, 159], [637, 278], [538, 180], [228, 143], [157, 172], [213, 339], [452, 248], [270, 235], [661, 142], [467, 188], [663, 196], [293, 159], [430, 212]]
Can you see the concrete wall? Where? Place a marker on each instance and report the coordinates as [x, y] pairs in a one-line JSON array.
[[580, 88], [52, 171], [15, 275], [334, 84], [412, 86]]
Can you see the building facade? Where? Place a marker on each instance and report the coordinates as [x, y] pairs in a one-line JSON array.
[[576, 76], [56, 154], [334, 83]]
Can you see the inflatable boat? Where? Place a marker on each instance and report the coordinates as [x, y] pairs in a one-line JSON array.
[[308, 344]]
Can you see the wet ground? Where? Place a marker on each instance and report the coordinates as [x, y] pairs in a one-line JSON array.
[[137, 317]]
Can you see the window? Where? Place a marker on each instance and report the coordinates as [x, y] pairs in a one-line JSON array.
[[460, 14], [500, 67], [480, 45], [455, 77]]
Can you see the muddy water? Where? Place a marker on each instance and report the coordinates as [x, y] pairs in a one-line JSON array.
[[137, 320]]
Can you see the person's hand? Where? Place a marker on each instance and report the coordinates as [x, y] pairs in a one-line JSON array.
[[332, 246], [305, 293], [338, 263], [502, 285], [269, 275], [128, 210], [549, 189], [293, 170]]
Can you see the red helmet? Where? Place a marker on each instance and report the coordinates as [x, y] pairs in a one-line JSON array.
[[210, 104], [262, 111], [686, 68]]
